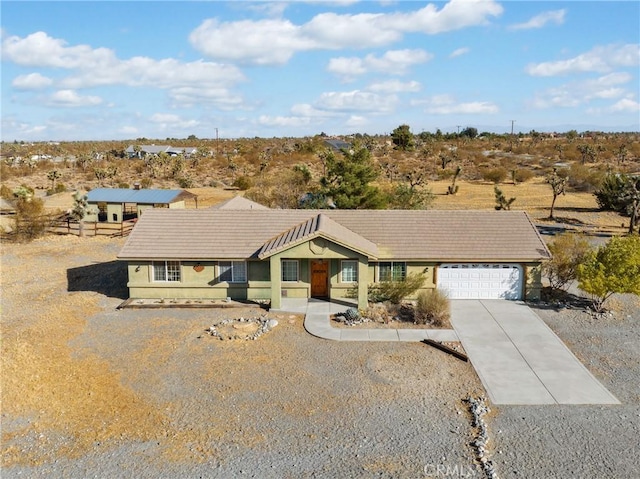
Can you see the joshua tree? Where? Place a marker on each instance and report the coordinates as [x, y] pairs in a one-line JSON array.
[[54, 175], [502, 203], [558, 185], [80, 209], [452, 189]]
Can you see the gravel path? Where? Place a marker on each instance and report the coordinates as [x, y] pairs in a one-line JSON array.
[[88, 391]]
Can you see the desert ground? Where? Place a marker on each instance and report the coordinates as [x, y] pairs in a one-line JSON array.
[[92, 391]]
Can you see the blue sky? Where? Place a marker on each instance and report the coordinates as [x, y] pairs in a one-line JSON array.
[[122, 70]]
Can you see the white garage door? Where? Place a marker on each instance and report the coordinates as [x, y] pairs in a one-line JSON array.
[[481, 281]]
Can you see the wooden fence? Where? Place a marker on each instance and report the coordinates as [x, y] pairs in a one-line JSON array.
[[71, 227]]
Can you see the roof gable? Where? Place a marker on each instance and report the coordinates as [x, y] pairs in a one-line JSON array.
[[318, 226], [125, 195], [447, 236]]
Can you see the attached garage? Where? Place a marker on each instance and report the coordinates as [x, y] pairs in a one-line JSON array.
[[481, 281]]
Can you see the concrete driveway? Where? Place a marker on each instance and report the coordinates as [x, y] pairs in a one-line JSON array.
[[519, 359]]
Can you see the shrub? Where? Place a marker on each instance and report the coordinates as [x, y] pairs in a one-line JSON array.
[[494, 175], [185, 182], [243, 183], [433, 307], [613, 268], [523, 174], [584, 178], [30, 220], [146, 183], [395, 291], [568, 250], [6, 192], [123, 185]]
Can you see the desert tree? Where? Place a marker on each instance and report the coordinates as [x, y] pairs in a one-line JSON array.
[[558, 186], [402, 138], [348, 181], [612, 268], [502, 203], [452, 189], [53, 176], [568, 251], [80, 209]]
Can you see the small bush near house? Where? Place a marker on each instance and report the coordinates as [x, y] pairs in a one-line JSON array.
[[60, 188], [494, 175], [146, 183], [123, 186], [568, 251], [395, 291], [432, 307]]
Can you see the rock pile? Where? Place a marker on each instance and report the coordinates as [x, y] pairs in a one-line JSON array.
[[478, 409], [263, 322]]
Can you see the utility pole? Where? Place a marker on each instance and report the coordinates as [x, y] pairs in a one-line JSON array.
[[511, 147], [458, 129]]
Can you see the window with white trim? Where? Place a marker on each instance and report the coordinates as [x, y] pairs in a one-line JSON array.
[[349, 271], [232, 271], [392, 271], [166, 271], [290, 270]]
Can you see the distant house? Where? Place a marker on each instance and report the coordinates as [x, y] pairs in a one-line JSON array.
[[337, 145], [249, 253], [146, 150], [115, 205], [239, 203]]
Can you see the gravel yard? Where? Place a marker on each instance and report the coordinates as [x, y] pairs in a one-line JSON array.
[[91, 391]]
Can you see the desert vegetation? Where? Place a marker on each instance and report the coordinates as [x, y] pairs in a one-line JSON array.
[[401, 170]]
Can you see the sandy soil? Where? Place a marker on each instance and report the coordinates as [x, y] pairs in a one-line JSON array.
[[88, 390]]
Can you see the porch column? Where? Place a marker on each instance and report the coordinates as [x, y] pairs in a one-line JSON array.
[[276, 281], [363, 283]]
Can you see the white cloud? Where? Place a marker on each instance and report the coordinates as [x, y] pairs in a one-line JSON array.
[[356, 121], [32, 81], [447, 104], [275, 41], [600, 59], [169, 121], [71, 98], [542, 19], [394, 86], [128, 130], [96, 67], [356, 100], [577, 93], [626, 105], [394, 62], [286, 121], [459, 51]]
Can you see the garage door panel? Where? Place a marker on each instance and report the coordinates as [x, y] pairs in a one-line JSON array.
[[481, 281]]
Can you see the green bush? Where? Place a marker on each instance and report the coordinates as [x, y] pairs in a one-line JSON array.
[[123, 186], [494, 175], [432, 307], [395, 291], [243, 183], [146, 183], [568, 251], [185, 182]]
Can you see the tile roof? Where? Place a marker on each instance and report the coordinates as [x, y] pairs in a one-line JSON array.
[[471, 236], [319, 226], [125, 195], [239, 203]]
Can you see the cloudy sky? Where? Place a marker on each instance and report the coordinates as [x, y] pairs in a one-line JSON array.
[[155, 69]]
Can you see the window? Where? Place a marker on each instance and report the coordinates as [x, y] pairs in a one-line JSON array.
[[392, 271], [166, 270], [349, 271], [233, 271], [289, 270]]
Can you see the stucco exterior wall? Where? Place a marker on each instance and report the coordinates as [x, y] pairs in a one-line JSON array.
[[533, 281]]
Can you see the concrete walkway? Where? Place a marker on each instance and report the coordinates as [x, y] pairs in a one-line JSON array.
[[318, 323], [519, 359]]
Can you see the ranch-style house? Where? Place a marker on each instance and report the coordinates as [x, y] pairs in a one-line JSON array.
[[256, 253]]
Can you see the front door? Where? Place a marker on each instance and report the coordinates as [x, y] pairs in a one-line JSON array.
[[320, 279]]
